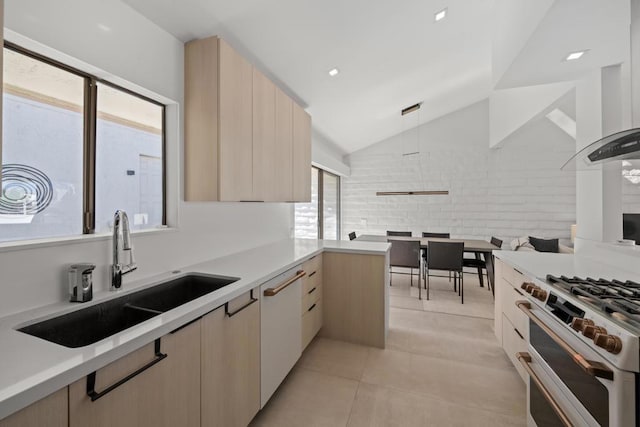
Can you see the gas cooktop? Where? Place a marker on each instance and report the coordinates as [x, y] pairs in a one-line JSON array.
[[620, 300]]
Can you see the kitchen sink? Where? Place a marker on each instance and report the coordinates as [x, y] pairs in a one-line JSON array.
[[92, 324]]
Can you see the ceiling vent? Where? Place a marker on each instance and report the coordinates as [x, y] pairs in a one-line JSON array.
[[411, 109]]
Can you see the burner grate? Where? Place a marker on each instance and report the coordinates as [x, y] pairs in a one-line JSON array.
[[619, 299]]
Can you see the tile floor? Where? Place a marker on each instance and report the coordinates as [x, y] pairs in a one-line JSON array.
[[442, 367]]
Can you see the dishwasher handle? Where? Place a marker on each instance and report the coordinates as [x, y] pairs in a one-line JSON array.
[[270, 292]]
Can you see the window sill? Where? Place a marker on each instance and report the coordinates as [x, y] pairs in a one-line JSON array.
[[70, 240]]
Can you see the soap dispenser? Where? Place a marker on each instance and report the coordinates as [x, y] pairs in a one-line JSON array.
[[81, 282]]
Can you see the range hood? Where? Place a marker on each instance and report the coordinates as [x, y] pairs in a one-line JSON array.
[[623, 145]]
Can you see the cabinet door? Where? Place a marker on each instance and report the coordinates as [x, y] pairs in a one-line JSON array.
[[500, 286], [264, 138], [513, 342], [201, 120], [235, 109], [284, 148], [354, 298], [301, 155], [231, 363], [52, 411], [165, 394]]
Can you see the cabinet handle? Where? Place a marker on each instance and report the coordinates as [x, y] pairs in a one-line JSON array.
[[311, 274], [525, 360], [91, 378], [312, 307], [233, 313], [518, 271], [269, 292], [311, 291], [519, 293], [518, 332]]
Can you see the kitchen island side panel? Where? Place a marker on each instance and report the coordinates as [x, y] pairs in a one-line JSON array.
[[355, 298]]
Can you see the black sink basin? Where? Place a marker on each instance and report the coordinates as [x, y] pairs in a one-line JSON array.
[[92, 324]]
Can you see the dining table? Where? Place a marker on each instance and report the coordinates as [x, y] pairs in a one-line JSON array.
[[475, 246]]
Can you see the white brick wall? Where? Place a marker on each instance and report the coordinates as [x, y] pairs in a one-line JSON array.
[[512, 191]]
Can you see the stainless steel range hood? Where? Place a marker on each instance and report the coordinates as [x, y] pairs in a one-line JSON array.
[[623, 145]]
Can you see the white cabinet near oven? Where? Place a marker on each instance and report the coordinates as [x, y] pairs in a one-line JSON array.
[[280, 329], [510, 323]]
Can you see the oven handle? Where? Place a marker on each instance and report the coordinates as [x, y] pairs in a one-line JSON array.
[[525, 360], [591, 367]]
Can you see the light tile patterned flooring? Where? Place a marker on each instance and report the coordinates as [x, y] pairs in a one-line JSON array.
[[442, 367]]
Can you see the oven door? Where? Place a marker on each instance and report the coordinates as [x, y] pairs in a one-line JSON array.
[[572, 381]]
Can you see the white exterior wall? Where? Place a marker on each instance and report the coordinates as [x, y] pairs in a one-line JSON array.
[[517, 190]]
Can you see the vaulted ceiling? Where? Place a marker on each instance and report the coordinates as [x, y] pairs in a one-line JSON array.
[[394, 54]]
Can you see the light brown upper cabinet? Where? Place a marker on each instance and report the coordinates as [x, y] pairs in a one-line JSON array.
[[245, 140], [264, 137], [284, 148], [301, 154], [218, 123]]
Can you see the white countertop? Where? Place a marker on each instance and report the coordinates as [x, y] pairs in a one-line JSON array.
[[32, 368], [539, 264]]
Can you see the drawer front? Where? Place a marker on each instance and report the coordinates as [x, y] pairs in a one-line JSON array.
[[314, 281], [313, 268], [513, 276], [311, 323], [513, 341], [311, 297], [511, 311], [313, 264]]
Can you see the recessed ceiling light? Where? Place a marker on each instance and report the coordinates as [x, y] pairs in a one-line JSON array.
[[575, 55], [439, 16], [334, 72]]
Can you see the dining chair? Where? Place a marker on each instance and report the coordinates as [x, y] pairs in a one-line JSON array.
[[446, 256], [479, 264], [405, 254], [352, 235], [424, 251], [399, 233]]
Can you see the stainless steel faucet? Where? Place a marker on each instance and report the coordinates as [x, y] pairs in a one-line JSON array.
[[121, 226]]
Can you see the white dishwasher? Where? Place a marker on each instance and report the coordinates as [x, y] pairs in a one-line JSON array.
[[280, 329]]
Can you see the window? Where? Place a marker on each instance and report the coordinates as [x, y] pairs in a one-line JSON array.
[[128, 159], [74, 150], [320, 219]]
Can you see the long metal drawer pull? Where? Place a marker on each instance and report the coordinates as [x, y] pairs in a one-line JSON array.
[[269, 292], [91, 378], [312, 307], [525, 360], [312, 274], [311, 291], [591, 367], [233, 313]]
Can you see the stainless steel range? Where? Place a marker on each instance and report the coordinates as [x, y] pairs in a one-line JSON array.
[[584, 351]]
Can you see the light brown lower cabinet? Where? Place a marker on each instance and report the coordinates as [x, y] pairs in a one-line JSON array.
[[167, 393], [231, 363], [52, 411], [355, 298], [311, 299]]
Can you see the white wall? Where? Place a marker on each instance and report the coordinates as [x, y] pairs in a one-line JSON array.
[[514, 22], [513, 191], [111, 39], [327, 156]]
